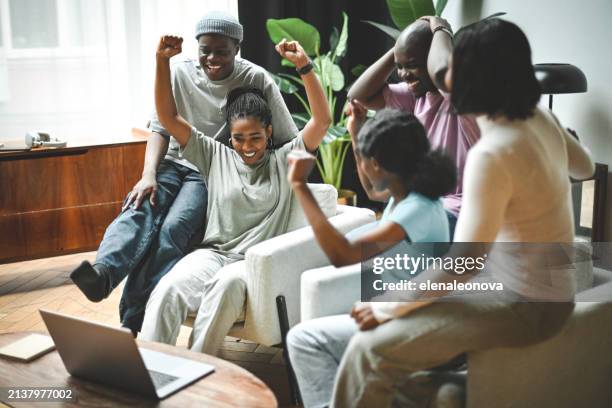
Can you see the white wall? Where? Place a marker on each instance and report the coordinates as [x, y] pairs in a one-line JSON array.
[[564, 31]]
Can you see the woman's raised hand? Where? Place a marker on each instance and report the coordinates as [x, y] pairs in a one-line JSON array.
[[300, 165], [292, 51], [169, 46]]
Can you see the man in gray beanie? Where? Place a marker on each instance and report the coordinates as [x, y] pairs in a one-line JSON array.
[[219, 36], [219, 22], [151, 235]]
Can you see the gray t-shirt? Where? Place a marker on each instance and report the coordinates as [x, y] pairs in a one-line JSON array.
[[202, 102], [247, 204]]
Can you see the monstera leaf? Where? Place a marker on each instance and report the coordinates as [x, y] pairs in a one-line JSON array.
[[283, 84], [330, 73], [337, 42], [300, 119], [294, 29], [390, 31], [404, 12], [440, 5]]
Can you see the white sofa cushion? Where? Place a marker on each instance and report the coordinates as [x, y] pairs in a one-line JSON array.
[[327, 198], [274, 268]]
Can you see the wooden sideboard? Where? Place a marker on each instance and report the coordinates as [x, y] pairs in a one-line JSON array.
[[59, 201]]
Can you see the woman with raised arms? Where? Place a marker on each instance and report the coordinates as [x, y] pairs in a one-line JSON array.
[[248, 201]]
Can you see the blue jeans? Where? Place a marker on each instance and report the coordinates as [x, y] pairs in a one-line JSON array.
[[315, 349], [144, 244]]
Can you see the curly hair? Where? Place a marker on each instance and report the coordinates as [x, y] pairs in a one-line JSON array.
[[398, 142]]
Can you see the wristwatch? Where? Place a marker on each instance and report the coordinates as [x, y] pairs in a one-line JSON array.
[[305, 69], [445, 29]]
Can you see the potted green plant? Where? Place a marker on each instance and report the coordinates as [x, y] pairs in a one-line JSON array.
[[335, 145]]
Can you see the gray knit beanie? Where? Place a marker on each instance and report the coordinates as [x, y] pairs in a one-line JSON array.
[[219, 22]]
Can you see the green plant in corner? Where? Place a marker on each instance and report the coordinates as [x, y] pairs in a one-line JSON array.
[[335, 145]]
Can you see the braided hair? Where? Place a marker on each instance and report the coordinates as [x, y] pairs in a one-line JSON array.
[[246, 102], [398, 142]]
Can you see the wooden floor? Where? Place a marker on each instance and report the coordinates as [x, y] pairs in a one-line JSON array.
[[26, 287]]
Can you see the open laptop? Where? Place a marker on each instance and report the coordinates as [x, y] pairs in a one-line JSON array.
[[110, 356]]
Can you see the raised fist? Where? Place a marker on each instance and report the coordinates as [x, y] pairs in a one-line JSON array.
[[169, 46], [356, 115], [300, 165], [292, 51]]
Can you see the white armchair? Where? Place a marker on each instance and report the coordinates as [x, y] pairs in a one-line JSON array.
[[329, 290], [274, 268]]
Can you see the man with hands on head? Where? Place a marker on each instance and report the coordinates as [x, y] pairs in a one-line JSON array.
[[421, 57], [163, 215]]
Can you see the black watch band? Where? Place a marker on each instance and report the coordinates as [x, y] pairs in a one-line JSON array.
[[305, 69]]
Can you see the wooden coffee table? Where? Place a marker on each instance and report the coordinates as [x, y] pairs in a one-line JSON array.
[[229, 386]]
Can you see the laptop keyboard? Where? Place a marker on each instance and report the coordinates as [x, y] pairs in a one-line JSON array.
[[161, 379]]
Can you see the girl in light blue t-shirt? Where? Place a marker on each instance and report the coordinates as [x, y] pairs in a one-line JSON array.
[[395, 164]]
